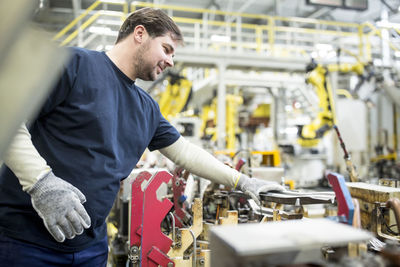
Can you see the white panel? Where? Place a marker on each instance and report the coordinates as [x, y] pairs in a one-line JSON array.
[[352, 123], [277, 243]]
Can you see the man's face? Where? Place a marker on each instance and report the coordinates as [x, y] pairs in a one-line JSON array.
[[154, 55]]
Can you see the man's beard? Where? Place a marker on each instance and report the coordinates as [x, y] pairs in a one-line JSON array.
[[144, 70]]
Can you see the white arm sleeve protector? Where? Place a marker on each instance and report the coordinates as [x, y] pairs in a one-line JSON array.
[[199, 162], [24, 160]]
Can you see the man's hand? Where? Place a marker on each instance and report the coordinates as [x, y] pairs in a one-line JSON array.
[[59, 204], [253, 187]]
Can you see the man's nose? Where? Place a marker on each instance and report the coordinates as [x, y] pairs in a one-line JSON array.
[[169, 61]]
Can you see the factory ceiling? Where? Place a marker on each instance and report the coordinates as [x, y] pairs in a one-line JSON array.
[[53, 15]]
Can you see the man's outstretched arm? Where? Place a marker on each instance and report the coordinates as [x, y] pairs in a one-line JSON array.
[[203, 164]]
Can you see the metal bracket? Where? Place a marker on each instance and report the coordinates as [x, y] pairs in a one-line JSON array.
[[189, 235], [147, 213], [178, 189]]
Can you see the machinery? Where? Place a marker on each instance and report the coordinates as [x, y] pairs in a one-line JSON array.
[[164, 229], [176, 95], [281, 243], [162, 223], [379, 209], [209, 120], [310, 135], [317, 75], [349, 164]]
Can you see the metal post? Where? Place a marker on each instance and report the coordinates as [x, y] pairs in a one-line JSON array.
[[77, 7], [221, 107], [385, 39]]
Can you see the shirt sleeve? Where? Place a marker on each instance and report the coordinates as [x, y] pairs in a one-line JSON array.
[[63, 85], [165, 135]]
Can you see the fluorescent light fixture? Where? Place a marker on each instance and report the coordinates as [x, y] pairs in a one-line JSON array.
[[291, 130], [314, 54], [387, 24], [110, 22], [220, 38], [324, 47], [288, 108], [331, 54], [113, 2], [297, 105], [397, 53], [99, 30]]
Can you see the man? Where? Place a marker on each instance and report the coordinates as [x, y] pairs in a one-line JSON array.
[[87, 137]]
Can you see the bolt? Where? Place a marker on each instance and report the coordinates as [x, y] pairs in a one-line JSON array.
[[170, 264]]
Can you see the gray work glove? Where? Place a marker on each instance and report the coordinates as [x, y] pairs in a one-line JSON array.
[[59, 204], [253, 187]]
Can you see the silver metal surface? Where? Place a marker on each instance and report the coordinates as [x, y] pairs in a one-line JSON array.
[[284, 242], [299, 198]]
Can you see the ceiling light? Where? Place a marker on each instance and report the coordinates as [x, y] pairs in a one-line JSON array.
[[220, 38], [324, 47], [99, 30], [387, 24], [113, 2], [314, 54]]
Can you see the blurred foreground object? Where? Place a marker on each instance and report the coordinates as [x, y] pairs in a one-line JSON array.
[[29, 64], [280, 243]]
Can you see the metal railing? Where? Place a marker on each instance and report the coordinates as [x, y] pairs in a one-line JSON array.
[[88, 18], [215, 30]]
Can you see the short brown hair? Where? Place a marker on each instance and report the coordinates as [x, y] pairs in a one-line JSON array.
[[156, 22]]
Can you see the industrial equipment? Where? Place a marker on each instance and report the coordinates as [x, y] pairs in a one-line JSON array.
[[280, 243], [375, 204], [310, 135], [176, 94], [209, 120], [349, 164], [164, 230], [317, 75]]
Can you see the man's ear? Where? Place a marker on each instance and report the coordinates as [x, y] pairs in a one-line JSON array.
[[139, 34]]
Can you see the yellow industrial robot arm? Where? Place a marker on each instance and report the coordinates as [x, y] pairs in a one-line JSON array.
[[309, 135], [176, 95]]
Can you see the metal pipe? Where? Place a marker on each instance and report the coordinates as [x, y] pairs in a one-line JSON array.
[[173, 227], [221, 107], [194, 258], [394, 204]]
